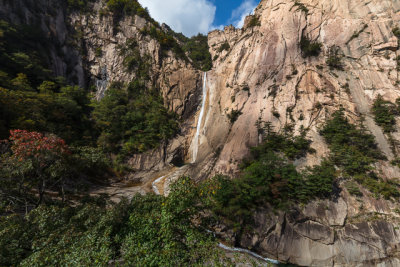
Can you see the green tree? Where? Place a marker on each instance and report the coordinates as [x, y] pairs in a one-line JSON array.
[[133, 121]]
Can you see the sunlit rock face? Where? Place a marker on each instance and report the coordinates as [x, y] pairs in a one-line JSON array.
[[260, 71], [264, 71]]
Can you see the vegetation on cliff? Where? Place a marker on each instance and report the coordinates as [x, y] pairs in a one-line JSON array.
[[385, 114], [131, 120], [354, 151]]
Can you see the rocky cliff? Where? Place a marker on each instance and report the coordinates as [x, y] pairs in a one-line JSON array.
[[87, 49], [260, 73]]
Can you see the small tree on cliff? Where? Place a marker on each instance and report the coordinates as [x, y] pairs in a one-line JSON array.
[[38, 161]]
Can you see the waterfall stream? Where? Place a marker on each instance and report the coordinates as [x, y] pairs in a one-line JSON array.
[[250, 253], [195, 145]]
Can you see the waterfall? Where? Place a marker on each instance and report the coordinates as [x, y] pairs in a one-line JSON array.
[[248, 252], [195, 145], [154, 185], [102, 83]]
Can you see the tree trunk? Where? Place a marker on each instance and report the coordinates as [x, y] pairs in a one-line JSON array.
[[42, 186]]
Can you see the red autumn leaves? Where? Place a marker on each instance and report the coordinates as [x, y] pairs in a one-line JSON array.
[[26, 145]]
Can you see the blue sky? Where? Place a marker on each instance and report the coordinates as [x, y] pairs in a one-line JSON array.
[[193, 16], [225, 8]]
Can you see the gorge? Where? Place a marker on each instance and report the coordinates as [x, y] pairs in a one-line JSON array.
[[305, 95]]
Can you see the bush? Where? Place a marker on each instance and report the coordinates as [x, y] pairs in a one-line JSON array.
[[224, 46], [129, 8], [198, 51], [301, 7], [396, 31], [352, 148], [254, 21], [234, 115], [377, 186], [385, 114], [353, 189], [98, 52], [79, 5], [293, 147], [334, 60], [309, 48]]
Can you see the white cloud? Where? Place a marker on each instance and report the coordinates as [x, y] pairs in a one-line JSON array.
[[187, 16], [240, 13]]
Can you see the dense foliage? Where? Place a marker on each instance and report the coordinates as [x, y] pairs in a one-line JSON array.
[[23, 56], [254, 21], [60, 110], [79, 5], [146, 231], [355, 151], [132, 121], [30, 97], [352, 147], [128, 7], [385, 114], [309, 48], [129, 119], [198, 51]]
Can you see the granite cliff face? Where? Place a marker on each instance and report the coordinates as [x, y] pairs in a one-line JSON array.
[[262, 73]]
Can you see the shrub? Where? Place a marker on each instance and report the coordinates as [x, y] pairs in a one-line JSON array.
[[223, 47], [309, 48], [254, 21], [300, 6], [385, 114], [334, 60], [198, 51], [130, 8], [293, 147], [353, 189], [352, 148], [234, 115], [79, 5], [270, 177], [276, 114], [396, 31], [98, 52], [377, 186]]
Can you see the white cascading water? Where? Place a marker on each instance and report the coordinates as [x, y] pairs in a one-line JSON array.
[[248, 252], [195, 145]]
